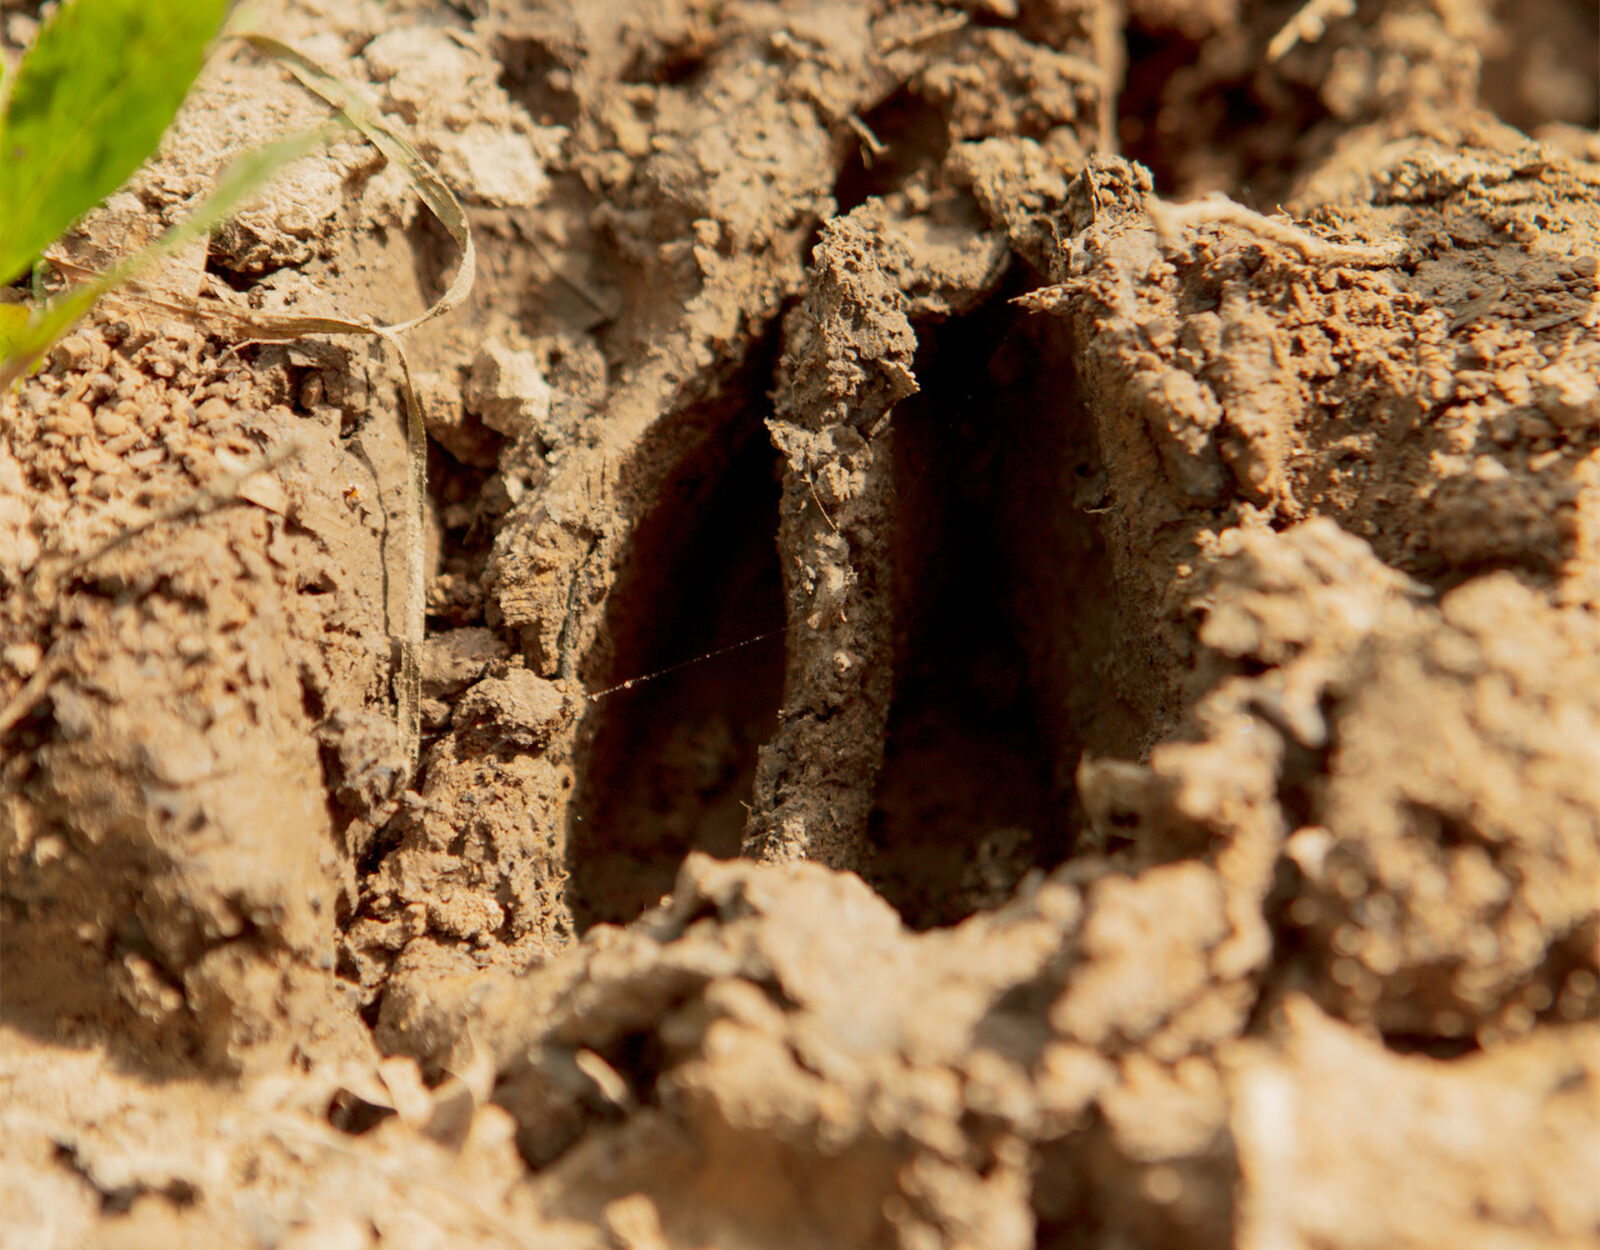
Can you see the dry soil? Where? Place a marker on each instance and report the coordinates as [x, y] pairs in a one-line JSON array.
[[1106, 497]]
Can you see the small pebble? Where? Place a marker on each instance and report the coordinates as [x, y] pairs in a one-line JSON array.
[[70, 352], [72, 421], [23, 658]]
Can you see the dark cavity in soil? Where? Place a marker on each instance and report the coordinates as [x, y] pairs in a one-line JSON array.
[[1005, 622], [670, 763], [912, 132]]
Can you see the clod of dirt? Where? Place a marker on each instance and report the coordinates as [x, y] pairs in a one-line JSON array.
[[172, 868], [1444, 866], [506, 390]]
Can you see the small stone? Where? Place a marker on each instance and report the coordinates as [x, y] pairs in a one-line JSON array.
[[1570, 397], [452, 661], [521, 707], [72, 421], [214, 409], [70, 352], [110, 424], [506, 390], [23, 658]]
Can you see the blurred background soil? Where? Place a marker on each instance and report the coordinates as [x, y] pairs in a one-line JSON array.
[[1125, 479]]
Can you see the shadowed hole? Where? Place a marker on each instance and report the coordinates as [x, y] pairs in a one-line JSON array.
[[669, 764], [912, 132], [1197, 124], [1006, 618]]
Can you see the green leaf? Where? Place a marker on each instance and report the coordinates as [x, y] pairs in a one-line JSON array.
[[26, 334], [87, 106], [13, 329]]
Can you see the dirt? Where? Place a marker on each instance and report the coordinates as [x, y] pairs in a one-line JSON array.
[[1013, 644]]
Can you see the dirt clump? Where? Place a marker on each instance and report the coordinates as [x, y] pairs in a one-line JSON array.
[[985, 684]]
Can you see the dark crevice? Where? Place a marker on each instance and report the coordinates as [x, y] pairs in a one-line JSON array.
[[1005, 621], [436, 254], [119, 1199], [639, 1058], [1305, 768], [354, 1115], [470, 502], [679, 62], [667, 766], [1196, 123], [913, 134], [538, 76], [1153, 57], [235, 280], [1432, 1045]]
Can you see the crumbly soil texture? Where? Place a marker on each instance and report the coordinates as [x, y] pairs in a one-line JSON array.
[[1012, 646]]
